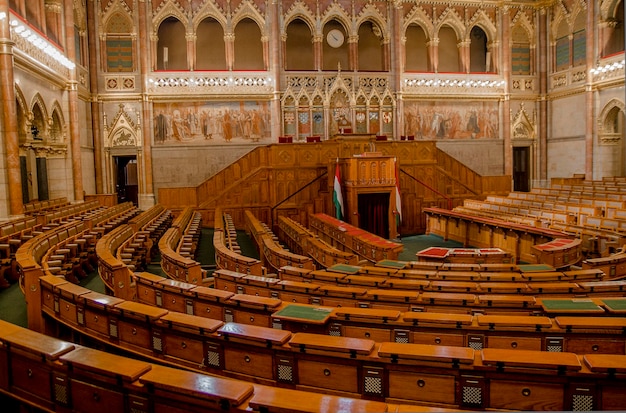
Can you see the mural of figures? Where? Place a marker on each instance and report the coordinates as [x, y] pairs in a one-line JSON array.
[[457, 120], [211, 122]]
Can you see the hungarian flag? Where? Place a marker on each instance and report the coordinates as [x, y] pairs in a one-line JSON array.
[[337, 197], [398, 200]]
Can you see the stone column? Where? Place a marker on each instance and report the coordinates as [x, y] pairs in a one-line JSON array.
[[93, 87], [397, 66], [589, 94], [9, 115], [433, 54], [318, 57], [191, 50], [72, 95], [277, 45], [54, 20], [542, 17], [146, 198], [505, 34], [353, 53], [464, 55], [229, 44]]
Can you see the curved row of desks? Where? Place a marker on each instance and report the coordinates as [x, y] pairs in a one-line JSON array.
[[392, 372], [56, 375]]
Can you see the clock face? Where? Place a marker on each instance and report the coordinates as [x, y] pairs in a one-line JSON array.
[[335, 38]]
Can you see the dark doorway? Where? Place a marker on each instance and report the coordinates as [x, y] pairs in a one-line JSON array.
[[126, 175], [374, 213], [521, 168]]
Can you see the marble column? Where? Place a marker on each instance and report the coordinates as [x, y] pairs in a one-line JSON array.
[[542, 17], [93, 87], [9, 115], [433, 54], [589, 94], [72, 97], [277, 46], [397, 66], [146, 198], [505, 67]]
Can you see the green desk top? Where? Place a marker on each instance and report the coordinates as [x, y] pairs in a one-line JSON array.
[[582, 305], [344, 268], [535, 267], [615, 305], [391, 264], [309, 314]]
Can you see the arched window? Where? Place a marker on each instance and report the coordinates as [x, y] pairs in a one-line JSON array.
[[248, 46], [299, 47], [416, 51], [172, 45], [119, 44], [479, 57], [562, 58], [56, 129], [615, 41], [210, 36], [579, 40], [520, 51], [370, 47], [448, 50]]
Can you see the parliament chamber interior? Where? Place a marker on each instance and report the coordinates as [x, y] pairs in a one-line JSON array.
[[312, 206]]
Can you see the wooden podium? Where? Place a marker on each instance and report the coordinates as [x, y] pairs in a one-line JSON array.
[[370, 177]]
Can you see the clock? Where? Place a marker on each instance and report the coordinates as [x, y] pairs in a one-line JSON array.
[[335, 38]]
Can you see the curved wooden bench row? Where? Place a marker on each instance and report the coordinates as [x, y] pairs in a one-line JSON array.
[[37, 207], [449, 376], [55, 375], [69, 213], [342, 235], [227, 253], [12, 235], [115, 274], [304, 242], [274, 255], [182, 236], [289, 307], [613, 265]]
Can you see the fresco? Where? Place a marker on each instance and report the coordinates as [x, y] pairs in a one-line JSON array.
[[454, 120], [211, 122]]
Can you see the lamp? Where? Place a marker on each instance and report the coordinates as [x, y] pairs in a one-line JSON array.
[[35, 132]]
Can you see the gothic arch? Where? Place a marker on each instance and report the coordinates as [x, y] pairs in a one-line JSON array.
[[299, 10], [482, 20], [118, 10], [610, 128], [209, 10], [247, 10], [372, 14], [337, 13], [451, 19], [169, 9], [57, 124], [522, 20], [419, 17]]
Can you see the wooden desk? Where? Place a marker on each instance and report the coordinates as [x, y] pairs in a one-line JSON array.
[[427, 352], [141, 311], [495, 300], [199, 325], [570, 305], [279, 400], [421, 317], [46, 347], [271, 337], [615, 305], [611, 363], [516, 322], [381, 315], [530, 359], [304, 314], [303, 342], [571, 323], [344, 268], [223, 393], [398, 265], [106, 364]]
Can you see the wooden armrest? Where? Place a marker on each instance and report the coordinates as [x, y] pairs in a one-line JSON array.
[[106, 364], [254, 333], [174, 285], [305, 341], [299, 286], [211, 294], [427, 352], [256, 301], [570, 323], [102, 301], [502, 358]]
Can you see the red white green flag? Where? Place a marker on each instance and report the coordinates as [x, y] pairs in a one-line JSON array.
[[337, 197]]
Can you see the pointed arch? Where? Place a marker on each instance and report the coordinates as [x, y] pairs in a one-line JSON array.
[[611, 122], [57, 124]]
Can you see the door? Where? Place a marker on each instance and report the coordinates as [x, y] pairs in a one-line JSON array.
[[374, 213], [521, 168], [126, 183]]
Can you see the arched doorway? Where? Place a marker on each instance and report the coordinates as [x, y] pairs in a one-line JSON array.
[[127, 183]]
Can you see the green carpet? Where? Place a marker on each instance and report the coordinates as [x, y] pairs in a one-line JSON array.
[[13, 306]]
